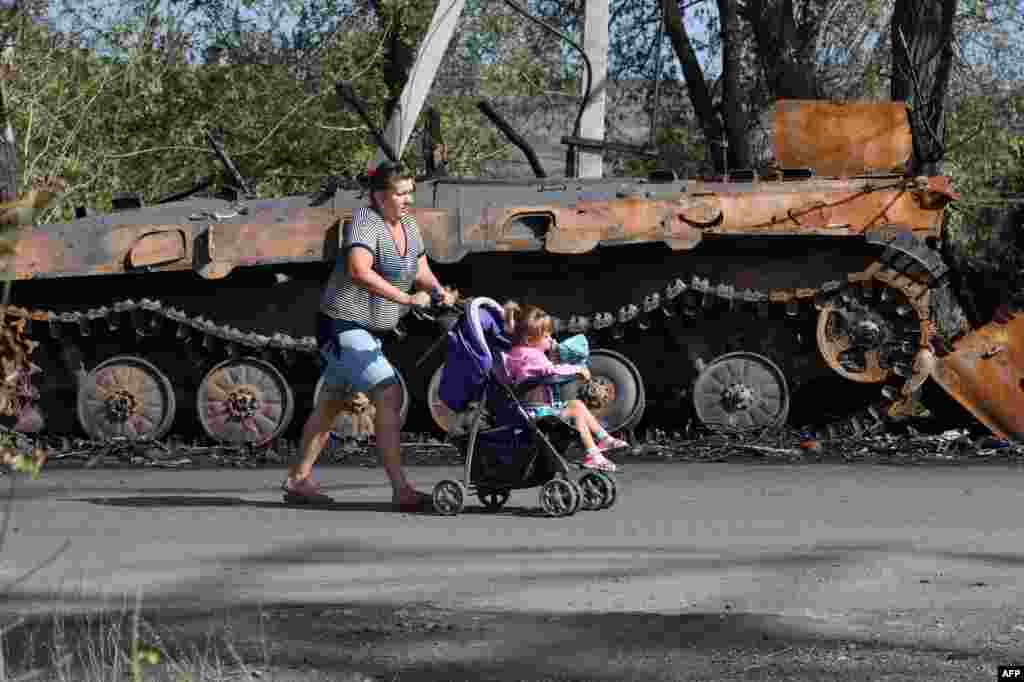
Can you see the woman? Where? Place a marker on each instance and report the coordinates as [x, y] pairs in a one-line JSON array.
[[382, 260]]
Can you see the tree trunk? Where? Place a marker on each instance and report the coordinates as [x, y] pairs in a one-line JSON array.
[[399, 54], [696, 86], [922, 56], [785, 49], [734, 111], [8, 157], [8, 151]]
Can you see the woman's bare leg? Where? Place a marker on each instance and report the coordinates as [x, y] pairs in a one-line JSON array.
[[387, 429], [315, 433]]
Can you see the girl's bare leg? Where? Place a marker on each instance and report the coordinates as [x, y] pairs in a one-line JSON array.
[[573, 409], [592, 423]]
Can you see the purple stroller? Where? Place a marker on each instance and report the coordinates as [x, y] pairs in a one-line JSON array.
[[504, 448]]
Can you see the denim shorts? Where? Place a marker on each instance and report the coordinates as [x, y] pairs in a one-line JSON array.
[[351, 358]]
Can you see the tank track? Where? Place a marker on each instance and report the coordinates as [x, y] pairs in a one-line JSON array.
[[905, 264]]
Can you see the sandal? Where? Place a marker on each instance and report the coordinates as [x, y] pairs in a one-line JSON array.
[[610, 443], [594, 459], [414, 502], [304, 491]]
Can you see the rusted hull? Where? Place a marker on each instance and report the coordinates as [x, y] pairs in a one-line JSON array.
[[842, 139], [985, 374], [505, 217]]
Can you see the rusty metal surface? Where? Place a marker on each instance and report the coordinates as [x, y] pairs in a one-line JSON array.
[[985, 374], [212, 238], [842, 139], [838, 208]]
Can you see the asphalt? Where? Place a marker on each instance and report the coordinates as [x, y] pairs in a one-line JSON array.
[[699, 571]]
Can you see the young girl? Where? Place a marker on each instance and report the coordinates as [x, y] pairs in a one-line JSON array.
[[529, 328]]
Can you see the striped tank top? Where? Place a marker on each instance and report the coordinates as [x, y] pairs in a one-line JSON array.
[[343, 299]]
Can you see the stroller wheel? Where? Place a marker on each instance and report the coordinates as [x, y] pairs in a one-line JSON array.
[[449, 497], [611, 498], [493, 500], [558, 497], [579, 495], [597, 490]]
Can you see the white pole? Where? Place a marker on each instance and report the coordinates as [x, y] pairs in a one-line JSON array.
[[421, 79], [595, 44]]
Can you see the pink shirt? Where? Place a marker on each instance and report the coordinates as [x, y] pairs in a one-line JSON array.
[[527, 362]]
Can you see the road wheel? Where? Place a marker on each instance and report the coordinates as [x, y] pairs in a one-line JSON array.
[[449, 497], [741, 391], [244, 400], [126, 397], [348, 424], [614, 371]]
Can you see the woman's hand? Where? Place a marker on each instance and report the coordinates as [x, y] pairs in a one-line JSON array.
[[443, 296], [420, 299]]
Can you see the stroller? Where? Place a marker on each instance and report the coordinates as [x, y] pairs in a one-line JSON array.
[[505, 449]]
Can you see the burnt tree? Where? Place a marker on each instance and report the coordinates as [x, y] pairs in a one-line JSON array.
[[922, 56], [8, 156], [714, 121], [785, 37], [399, 51]]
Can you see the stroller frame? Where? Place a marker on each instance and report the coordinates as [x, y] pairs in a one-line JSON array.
[[545, 467]]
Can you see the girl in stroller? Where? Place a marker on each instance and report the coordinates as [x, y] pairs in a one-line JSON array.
[[529, 328]]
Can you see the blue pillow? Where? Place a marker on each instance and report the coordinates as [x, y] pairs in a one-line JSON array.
[[575, 350]]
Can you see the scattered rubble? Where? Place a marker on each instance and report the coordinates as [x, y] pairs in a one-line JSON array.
[[904, 444]]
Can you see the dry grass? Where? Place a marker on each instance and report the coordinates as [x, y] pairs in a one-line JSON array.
[[119, 646], [111, 645]]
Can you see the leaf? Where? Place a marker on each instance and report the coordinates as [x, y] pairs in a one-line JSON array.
[[27, 465]]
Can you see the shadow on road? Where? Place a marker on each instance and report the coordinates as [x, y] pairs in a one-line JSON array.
[[144, 501], [423, 643]]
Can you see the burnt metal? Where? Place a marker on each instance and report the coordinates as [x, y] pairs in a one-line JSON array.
[[222, 155], [199, 186], [515, 138], [574, 141], [435, 152], [126, 201], [465, 223]]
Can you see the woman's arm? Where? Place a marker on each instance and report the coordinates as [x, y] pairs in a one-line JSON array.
[[360, 269], [426, 280]]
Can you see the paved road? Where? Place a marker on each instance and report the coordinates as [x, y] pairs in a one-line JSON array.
[[698, 568]]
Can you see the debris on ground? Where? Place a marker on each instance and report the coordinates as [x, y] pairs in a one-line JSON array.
[[906, 445]]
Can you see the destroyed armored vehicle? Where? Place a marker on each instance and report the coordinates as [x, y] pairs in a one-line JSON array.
[[723, 298]]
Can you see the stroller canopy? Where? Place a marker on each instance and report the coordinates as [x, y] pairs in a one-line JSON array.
[[474, 344]]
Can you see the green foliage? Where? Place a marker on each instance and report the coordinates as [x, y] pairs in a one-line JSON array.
[[133, 119], [677, 147], [985, 158]]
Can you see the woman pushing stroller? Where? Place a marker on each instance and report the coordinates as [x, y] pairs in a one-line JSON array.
[[529, 329]]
